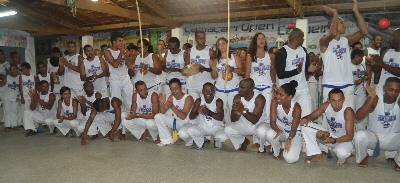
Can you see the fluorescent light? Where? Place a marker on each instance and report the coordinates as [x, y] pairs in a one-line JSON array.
[[7, 13]]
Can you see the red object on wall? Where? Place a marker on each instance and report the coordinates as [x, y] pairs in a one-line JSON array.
[[291, 25], [384, 24]]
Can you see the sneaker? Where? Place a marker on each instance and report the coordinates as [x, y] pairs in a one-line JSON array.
[[217, 145], [30, 133], [162, 144]]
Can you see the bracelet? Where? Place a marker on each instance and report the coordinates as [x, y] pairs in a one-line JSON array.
[[210, 113], [137, 115]]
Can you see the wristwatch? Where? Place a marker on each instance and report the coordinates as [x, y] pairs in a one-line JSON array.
[[137, 115]]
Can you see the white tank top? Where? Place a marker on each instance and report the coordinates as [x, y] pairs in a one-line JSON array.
[[180, 104], [47, 78], [260, 71], [111, 109], [92, 67], [12, 88], [391, 58], [232, 84], [336, 121], [69, 110], [285, 121], [150, 79], [28, 83], [57, 80], [207, 120], [175, 61], [72, 78], [384, 119], [250, 105], [293, 59], [199, 57], [373, 52], [90, 99], [45, 112], [359, 72], [120, 73], [144, 106], [337, 63]]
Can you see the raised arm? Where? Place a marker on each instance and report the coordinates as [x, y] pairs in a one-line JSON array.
[[369, 104], [361, 24], [333, 30]]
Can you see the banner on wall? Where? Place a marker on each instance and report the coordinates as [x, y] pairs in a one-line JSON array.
[[13, 38]]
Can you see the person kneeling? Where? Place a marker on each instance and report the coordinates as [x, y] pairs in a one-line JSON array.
[[285, 119], [340, 119]]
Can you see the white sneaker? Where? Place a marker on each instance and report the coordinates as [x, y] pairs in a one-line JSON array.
[[217, 145], [162, 144]]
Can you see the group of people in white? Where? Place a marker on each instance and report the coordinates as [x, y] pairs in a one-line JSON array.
[[271, 94]]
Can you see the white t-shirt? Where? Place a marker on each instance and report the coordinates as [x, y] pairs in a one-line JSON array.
[[260, 71], [72, 79], [220, 82], [293, 59], [391, 58], [336, 121], [94, 67], [384, 119], [120, 73], [199, 57]]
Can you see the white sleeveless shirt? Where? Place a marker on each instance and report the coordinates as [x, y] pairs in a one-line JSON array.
[[359, 72], [208, 120], [72, 78], [373, 52], [92, 67], [232, 84], [336, 121], [111, 109], [45, 112], [144, 106], [12, 88], [180, 104], [69, 109], [285, 121], [41, 78], [293, 59], [120, 73], [384, 120], [337, 63], [391, 58], [57, 79], [175, 61], [199, 57], [250, 105], [150, 79], [88, 107], [260, 71], [28, 83]]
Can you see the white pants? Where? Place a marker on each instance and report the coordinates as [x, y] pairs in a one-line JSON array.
[[313, 88], [227, 99], [349, 101], [195, 93], [165, 123], [198, 132], [365, 140], [138, 125], [359, 102], [279, 143], [342, 149], [102, 120], [267, 93], [10, 109], [93, 130], [304, 100], [21, 109], [237, 131], [119, 87], [66, 125], [32, 118]]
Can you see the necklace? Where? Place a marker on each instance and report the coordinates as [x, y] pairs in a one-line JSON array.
[[388, 108]]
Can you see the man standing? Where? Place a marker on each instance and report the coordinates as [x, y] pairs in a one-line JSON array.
[[384, 123], [70, 70], [94, 69], [208, 111], [201, 54], [246, 112], [336, 54], [375, 49], [119, 63], [292, 63]]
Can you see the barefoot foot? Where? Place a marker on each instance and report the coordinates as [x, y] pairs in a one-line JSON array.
[[364, 163], [244, 145], [316, 158]]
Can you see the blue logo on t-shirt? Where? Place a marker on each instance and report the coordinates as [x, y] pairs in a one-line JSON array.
[[339, 52], [333, 125]]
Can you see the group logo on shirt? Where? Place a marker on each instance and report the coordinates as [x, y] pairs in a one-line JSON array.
[[13, 85], [198, 60], [28, 84], [172, 64], [42, 107], [68, 114], [359, 74], [333, 125], [261, 69], [391, 63], [297, 60], [122, 63], [93, 69], [339, 52], [145, 110], [177, 106], [285, 121], [387, 119]]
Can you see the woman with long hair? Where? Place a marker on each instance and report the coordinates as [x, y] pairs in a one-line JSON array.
[[220, 67]]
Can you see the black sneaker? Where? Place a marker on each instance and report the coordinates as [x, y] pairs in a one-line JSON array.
[[30, 133]]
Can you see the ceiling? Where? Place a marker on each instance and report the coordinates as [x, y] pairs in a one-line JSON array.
[[54, 17]]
